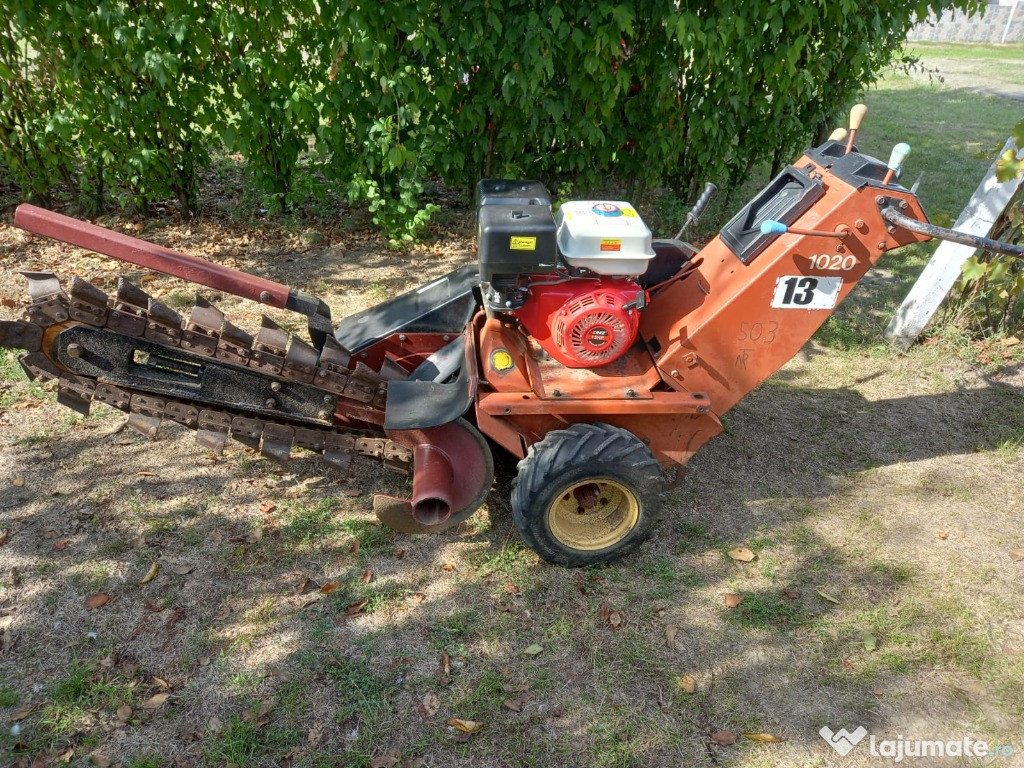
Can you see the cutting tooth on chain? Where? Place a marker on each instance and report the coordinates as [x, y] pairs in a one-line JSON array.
[[332, 368], [247, 431], [336, 450], [310, 439], [146, 414], [88, 303], [75, 392], [202, 330], [300, 362], [128, 314], [364, 384], [235, 345], [15, 334], [38, 367], [269, 347], [48, 303], [163, 324], [277, 442], [213, 430]]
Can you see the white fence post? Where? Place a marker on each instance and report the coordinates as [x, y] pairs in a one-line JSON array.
[[984, 209]]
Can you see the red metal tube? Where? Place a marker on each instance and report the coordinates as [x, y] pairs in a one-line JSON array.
[[432, 480], [149, 255]]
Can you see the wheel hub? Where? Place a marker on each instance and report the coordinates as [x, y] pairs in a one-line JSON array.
[[593, 514]]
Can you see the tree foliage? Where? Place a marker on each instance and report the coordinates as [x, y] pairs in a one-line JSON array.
[[127, 99]]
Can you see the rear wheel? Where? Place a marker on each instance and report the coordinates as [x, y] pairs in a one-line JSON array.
[[587, 494]]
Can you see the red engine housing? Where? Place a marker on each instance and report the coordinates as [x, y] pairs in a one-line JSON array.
[[583, 323]]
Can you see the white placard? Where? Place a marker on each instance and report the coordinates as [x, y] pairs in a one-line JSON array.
[[806, 292]]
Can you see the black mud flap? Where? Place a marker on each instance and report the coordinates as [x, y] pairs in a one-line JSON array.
[[445, 305], [416, 404]]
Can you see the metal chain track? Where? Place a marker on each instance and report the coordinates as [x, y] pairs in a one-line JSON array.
[[272, 352]]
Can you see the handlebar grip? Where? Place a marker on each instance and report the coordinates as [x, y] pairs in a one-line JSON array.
[[710, 190]]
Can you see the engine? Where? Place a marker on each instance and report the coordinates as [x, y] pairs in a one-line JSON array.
[[569, 280]]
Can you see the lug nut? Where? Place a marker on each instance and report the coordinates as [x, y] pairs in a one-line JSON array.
[[271, 403], [74, 350], [275, 386]]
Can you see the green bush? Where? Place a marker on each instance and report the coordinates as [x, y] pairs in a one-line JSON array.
[[125, 101]]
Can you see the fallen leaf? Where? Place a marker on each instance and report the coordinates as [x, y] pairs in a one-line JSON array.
[[100, 759], [1017, 554], [19, 481], [401, 552], [367, 575], [742, 554], [66, 755], [124, 712], [688, 683], [516, 704], [152, 573], [870, 642], [387, 760], [466, 726], [671, 631], [215, 725], [107, 661], [154, 703], [354, 547], [943, 535], [267, 507], [204, 661], [61, 545], [764, 738], [329, 587], [445, 668], [3, 537], [1009, 341], [355, 608], [448, 567], [431, 704], [159, 682], [723, 738], [533, 650], [352, 492], [22, 713], [604, 611], [176, 615], [732, 599], [615, 619], [182, 569], [9, 303], [146, 473], [825, 596], [15, 577], [97, 600]]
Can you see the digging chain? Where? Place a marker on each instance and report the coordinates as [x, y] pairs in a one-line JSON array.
[[272, 352]]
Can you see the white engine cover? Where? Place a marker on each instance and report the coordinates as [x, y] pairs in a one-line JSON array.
[[606, 237]]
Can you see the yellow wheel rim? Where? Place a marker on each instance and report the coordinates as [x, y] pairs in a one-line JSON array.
[[593, 514]]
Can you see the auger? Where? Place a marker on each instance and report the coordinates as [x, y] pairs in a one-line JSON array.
[[597, 355]]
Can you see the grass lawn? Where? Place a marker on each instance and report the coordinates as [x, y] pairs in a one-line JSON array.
[[880, 493]]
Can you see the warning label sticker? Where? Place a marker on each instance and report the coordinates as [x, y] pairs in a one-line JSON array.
[[611, 245], [521, 243]]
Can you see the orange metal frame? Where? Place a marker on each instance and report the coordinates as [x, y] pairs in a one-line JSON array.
[[708, 338]]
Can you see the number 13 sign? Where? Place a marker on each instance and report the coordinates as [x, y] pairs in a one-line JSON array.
[[806, 292]]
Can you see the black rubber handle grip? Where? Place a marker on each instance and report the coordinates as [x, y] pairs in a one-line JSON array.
[[710, 190]]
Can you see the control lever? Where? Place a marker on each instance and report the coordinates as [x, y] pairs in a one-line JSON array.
[[856, 118], [772, 227], [839, 134], [899, 154], [698, 208]]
